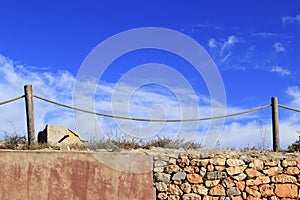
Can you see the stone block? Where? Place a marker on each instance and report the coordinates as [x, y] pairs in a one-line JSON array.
[[216, 175], [191, 197], [200, 189], [194, 178], [58, 135], [234, 162], [233, 191], [218, 190], [179, 176], [286, 190]]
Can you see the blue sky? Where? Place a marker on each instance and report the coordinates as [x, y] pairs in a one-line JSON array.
[[254, 44]]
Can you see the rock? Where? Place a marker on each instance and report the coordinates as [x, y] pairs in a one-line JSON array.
[[210, 198], [234, 162], [177, 182], [266, 190], [179, 176], [58, 135], [272, 162], [174, 189], [251, 173], [216, 175], [171, 169], [160, 163], [199, 162], [253, 191], [162, 196], [292, 171], [257, 164], [235, 170], [237, 198], [158, 169], [172, 161], [210, 168], [240, 177], [202, 171], [211, 183], [283, 178], [217, 161], [183, 161], [220, 168], [286, 190], [186, 188], [233, 191], [218, 190], [194, 178], [173, 197], [189, 169], [200, 189], [273, 171], [258, 181], [289, 163], [161, 186], [191, 197], [228, 182], [162, 177], [241, 185]]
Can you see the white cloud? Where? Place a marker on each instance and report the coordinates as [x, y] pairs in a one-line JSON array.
[[291, 19], [279, 47], [13, 77], [231, 40], [221, 49], [145, 103], [280, 70], [294, 92], [212, 43]]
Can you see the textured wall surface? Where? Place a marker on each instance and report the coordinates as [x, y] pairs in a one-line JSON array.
[[226, 175], [175, 175], [75, 175]]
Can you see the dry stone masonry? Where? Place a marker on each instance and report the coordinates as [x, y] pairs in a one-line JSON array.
[[225, 175]]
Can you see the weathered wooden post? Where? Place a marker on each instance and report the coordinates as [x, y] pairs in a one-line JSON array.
[[29, 113], [275, 126]]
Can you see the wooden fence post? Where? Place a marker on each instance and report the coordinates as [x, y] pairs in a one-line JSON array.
[[29, 113], [275, 122]]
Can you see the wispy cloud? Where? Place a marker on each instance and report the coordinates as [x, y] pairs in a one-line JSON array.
[[280, 70], [194, 28], [294, 92], [212, 43], [291, 19], [221, 49], [228, 44], [279, 47], [265, 34]]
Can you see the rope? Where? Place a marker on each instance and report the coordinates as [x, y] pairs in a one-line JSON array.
[[151, 120], [288, 108], [11, 100]]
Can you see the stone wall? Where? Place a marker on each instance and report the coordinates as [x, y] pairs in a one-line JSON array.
[[220, 174], [175, 174]]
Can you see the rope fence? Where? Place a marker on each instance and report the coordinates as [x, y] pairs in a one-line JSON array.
[[152, 120], [30, 114], [12, 100], [288, 108]]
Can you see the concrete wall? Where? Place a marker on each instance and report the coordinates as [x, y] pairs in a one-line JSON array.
[[75, 175]]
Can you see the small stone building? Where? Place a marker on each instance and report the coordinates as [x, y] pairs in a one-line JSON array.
[[59, 135]]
